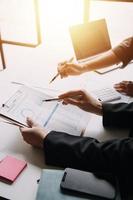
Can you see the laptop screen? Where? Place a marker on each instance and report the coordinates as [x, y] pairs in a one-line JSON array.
[[89, 39]]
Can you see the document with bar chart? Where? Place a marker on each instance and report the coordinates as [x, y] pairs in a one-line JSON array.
[[53, 115]]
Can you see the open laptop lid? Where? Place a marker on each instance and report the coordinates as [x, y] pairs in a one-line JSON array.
[[90, 39]]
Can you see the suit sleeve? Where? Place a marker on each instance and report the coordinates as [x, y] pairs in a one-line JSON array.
[[119, 115], [86, 153], [124, 51]]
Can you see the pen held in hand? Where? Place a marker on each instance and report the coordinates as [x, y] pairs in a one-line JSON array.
[[70, 60], [60, 99], [54, 78]]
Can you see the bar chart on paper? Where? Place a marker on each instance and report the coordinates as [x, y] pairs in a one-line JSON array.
[[53, 115]]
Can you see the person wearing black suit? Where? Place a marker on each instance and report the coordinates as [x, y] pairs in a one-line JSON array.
[[86, 153], [62, 149]]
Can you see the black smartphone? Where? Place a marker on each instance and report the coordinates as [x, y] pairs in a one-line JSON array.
[[103, 186]]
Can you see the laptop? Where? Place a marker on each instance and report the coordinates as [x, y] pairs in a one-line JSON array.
[[90, 40]]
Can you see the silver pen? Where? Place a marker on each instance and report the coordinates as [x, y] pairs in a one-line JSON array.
[[71, 59]]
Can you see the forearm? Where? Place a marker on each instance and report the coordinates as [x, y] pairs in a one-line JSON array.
[[97, 108], [107, 59], [86, 153]]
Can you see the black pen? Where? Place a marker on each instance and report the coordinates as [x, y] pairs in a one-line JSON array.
[[58, 99], [54, 78], [52, 99]]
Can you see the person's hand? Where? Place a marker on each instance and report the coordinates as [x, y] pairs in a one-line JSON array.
[[69, 69], [34, 135], [125, 87], [83, 100]]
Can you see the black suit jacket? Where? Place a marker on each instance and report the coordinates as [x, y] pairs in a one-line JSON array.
[[115, 156], [62, 149]]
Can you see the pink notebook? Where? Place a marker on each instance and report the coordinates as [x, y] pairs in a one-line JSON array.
[[10, 168]]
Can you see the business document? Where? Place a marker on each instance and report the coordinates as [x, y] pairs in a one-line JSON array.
[[53, 115]]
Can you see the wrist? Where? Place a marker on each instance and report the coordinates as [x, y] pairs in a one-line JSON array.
[[85, 68], [98, 108], [42, 138]]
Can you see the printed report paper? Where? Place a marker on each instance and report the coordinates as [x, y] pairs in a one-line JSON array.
[[53, 115]]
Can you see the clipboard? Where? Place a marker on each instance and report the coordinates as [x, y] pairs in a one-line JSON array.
[[53, 115]]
